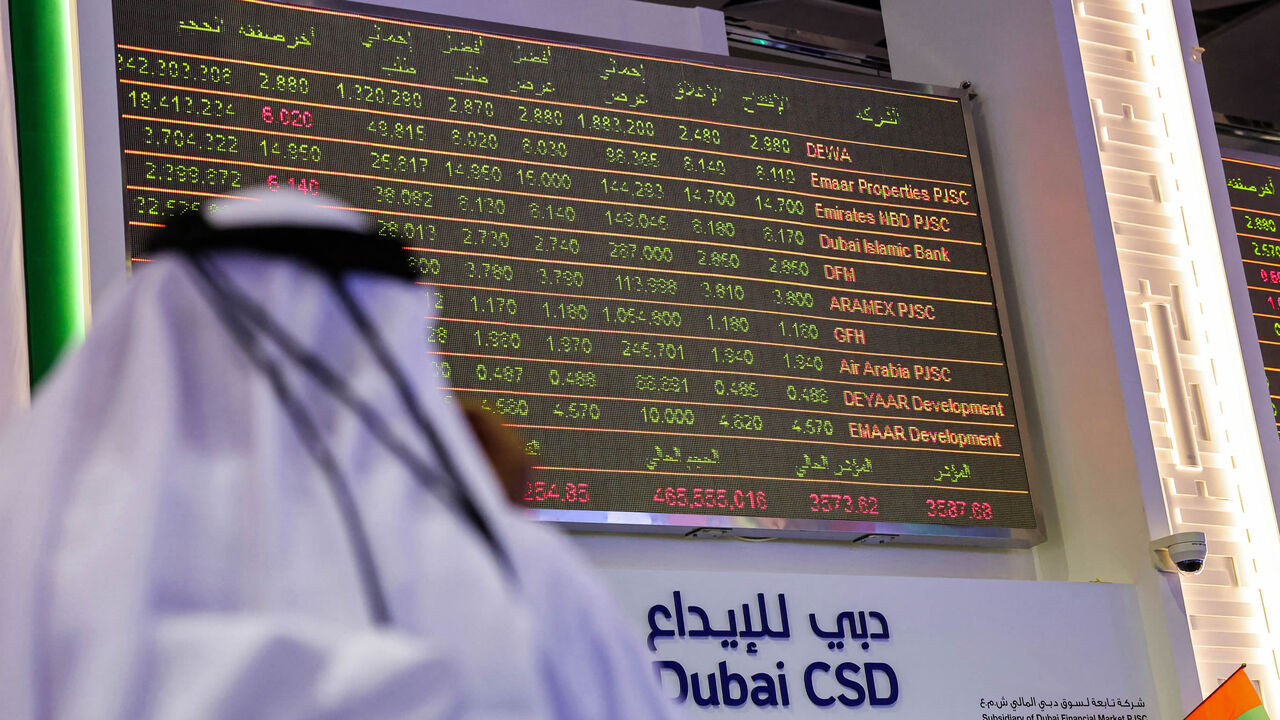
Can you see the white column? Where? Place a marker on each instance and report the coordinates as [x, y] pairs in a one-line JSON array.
[[1149, 138], [1093, 443], [14, 380]]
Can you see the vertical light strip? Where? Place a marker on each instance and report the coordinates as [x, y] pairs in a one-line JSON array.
[[1206, 440], [49, 167]]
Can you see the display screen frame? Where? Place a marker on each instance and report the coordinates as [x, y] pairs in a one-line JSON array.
[[107, 259]]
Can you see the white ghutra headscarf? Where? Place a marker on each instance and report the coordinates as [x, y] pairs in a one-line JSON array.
[[172, 547]]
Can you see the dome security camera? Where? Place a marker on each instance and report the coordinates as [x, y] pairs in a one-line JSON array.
[[1182, 552]]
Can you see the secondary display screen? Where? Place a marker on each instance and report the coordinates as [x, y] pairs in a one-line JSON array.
[[707, 293], [1251, 186]]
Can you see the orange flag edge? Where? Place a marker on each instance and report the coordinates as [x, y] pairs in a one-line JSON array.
[[1233, 698]]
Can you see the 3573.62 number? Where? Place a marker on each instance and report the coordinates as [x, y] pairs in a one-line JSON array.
[[835, 502]]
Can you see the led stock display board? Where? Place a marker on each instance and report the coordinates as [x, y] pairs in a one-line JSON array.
[[707, 292], [1251, 185]]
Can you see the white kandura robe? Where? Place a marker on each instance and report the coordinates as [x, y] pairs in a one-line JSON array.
[[168, 549]]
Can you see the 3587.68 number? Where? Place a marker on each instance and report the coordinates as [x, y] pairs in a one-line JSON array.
[[959, 509]]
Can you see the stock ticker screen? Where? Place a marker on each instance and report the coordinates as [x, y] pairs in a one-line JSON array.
[[1256, 210], [697, 289]]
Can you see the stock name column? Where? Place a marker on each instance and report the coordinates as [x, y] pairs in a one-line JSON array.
[[694, 289]]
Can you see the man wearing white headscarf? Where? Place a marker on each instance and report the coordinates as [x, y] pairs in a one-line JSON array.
[[242, 497]]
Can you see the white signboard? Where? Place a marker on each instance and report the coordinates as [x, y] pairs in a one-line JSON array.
[[824, 646]]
